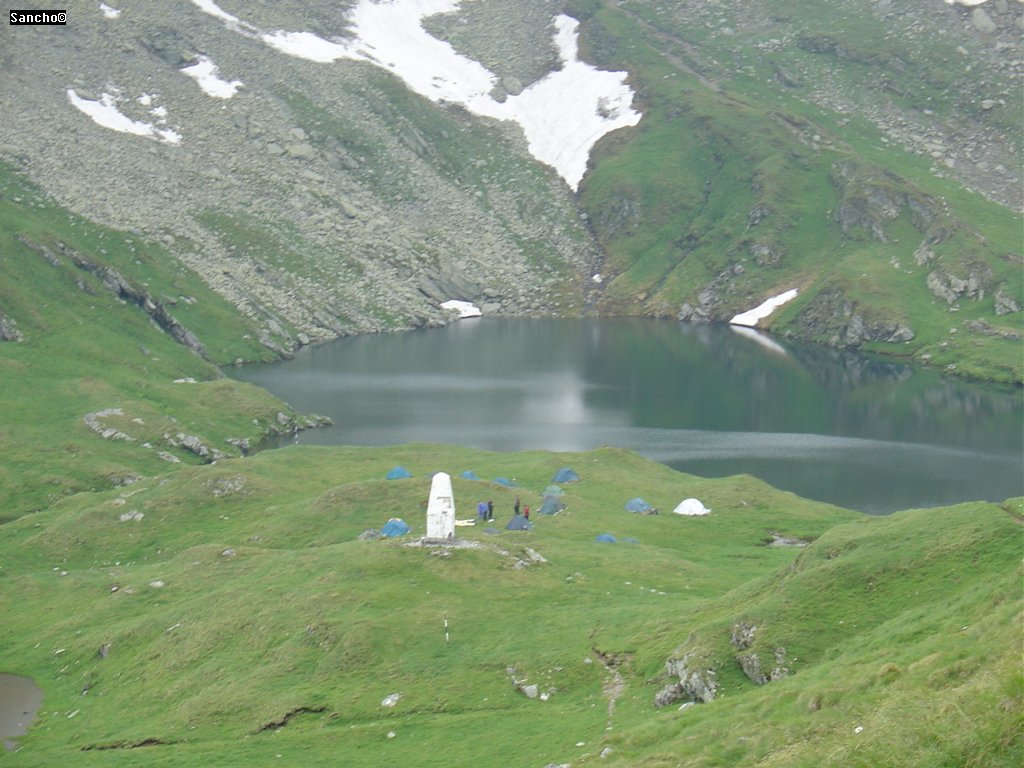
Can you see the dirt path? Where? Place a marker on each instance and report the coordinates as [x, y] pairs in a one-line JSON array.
[[614, 684]]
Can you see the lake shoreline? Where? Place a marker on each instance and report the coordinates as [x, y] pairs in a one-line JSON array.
[[702, 399]]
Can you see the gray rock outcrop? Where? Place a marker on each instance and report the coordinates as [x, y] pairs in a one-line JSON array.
[[742, 638], [834, 319], [1004, 302], [695, 682], [871, 198], [982, 22], [8, 330], [950, 288]]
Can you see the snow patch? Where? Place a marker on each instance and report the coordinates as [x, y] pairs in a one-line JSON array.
[[753, 316], [464, 308], [210, 7], [106, 114], [562, 115], [110, 13], [204, 72]]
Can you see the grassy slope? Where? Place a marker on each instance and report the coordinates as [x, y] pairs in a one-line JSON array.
[[670, 202], [906, 625], [85, 350]]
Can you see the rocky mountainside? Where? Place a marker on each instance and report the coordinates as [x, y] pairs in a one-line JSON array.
[[292, 161], [862, 154], [319, 199]]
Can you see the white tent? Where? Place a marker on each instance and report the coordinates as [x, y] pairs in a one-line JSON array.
[[691, 507]]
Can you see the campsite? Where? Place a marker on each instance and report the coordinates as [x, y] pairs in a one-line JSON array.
[[314, 626]]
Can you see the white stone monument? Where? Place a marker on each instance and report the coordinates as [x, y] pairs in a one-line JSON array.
[[441, 508]]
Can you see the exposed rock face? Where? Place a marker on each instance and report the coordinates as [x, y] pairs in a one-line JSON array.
[[226, 486], [758, 213], [950, 288], [870, 200], [95, 422], [193, 444], [765, 255], [834, 319], [696, 683], [742, 639], [1005, 303], [742, 636], [8, 331], [125, 290]]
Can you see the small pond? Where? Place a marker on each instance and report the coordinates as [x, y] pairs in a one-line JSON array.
[[20, 699]]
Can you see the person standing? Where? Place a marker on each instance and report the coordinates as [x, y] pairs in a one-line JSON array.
[[526, 511], [481, 510], [515, 506], [490, 509]]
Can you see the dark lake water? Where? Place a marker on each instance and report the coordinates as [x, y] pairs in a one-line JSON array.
[[858, 431]]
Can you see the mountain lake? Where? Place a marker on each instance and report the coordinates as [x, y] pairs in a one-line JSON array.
[[864, 432]]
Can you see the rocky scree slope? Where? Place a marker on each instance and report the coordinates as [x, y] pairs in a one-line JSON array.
[[865, 154], [320, 199]]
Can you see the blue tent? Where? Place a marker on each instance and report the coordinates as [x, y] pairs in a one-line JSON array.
[[518, 523], [551, 506], [565, 475], [399, 473], [394, 527], [469, 474], [637, 505], [604, 538], [553, 490], [506, 482]]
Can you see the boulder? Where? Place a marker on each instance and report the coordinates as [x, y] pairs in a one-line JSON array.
[[982, 22], [8, 332], [1005, 303], [695, 683]]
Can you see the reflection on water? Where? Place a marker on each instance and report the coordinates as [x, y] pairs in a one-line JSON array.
[[20, 698], [865, 433]]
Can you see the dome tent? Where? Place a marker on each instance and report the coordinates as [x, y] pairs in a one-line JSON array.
[[551, 506], [605, 538], [506, 482], [394, 527], [553, 490], [519, 523], [565, 475], [469, 474], [637, 505], [691, 508], [399, 473]]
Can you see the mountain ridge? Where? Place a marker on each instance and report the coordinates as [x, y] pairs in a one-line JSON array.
[[331, 200]]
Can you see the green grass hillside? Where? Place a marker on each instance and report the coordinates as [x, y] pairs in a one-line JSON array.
[[735, 188], [184, 601], [242, 620], [85, 302]]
